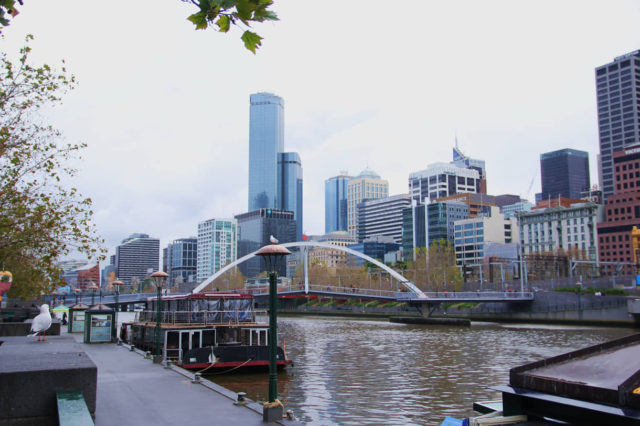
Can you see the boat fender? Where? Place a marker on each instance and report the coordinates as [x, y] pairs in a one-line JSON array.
[[212, 358]]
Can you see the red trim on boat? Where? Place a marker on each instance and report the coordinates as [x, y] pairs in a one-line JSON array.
[[233, 364]]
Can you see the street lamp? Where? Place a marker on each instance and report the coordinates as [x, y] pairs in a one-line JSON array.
[[93, 289], [159, 279], [77, 292], [272, 255], [116, 287]]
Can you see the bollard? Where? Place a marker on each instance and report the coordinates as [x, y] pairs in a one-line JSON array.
[[167, 363], [196, 378], [147, 355], [241, 399], [132, 348], [290, 415]]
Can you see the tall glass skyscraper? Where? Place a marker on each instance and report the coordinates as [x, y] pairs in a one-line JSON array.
[[290, 187], [618, 86], [217, 245], [275, 176], [335, 203], [266, 140], [565, 173]]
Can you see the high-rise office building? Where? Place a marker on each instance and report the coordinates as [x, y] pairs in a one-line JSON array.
[[564, 173], [618, 94], [217, 245], [290, 187], [275, 176], [137, 257], [266, 140], [335, 203], [254, 230], [461, 160], [622, 210], [441, 180], [366, 186], [181, 261], [382, 217]]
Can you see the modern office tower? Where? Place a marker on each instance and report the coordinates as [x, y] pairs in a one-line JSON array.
[[381, 217], [622, 210], [366, 186], [545, 230], [472, 235], [335, 203], [376, 247], [137, 257], [266, 140], [441, 180], [461, 160], [217, 245], [290, 187], [618, 94], [255, 228], [181, 261], [439, 224], [108, 275], [564, 173]]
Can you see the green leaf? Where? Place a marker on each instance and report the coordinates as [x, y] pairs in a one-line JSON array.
[[251, 40], [224, 23], [245, 9], [199, 19]]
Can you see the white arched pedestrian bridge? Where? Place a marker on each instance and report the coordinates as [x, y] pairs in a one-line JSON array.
[[412, 292]]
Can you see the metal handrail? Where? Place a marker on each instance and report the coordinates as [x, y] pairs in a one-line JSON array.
[[233, 317]]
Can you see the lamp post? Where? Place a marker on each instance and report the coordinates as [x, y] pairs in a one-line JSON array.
[[77, 292], [93, 289], [116, 287], [159, 279], [272, 255]]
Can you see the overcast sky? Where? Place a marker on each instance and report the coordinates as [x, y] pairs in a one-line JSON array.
[[165, 109]]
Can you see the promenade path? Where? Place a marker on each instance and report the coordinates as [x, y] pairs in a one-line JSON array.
[[131, 390]]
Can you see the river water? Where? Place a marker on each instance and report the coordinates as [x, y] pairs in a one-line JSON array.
[[362, 372]]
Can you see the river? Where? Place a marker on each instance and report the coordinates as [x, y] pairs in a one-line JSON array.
[[357, 372]]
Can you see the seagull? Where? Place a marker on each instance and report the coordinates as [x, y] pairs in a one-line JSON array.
[[273, 239], [41, 323]]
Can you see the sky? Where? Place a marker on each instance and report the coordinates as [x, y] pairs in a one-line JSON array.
[[164, 108]]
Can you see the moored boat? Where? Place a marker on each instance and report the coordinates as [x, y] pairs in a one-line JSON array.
[[212, 331]]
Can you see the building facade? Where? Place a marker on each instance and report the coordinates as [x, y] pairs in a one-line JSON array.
[[564, 173], [181, 261], [137, 257], [440, 180], [331, 257], [377, 247], [568, 228], [254, 230], [472, 236], [366, 186], [381, 217], [266, 140], [461, 160], [618, 96], [335, 203], [622, 210], [216, 246], [290, 187]]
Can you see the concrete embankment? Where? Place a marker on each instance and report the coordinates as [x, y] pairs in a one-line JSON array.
[[547, 307]]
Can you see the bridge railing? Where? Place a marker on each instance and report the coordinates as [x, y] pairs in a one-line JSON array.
[[480, 295], [232, 317]]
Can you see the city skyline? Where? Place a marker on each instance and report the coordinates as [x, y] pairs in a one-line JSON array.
[[166, 148]]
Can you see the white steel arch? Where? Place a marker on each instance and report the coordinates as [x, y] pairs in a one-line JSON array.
[[401, 279]]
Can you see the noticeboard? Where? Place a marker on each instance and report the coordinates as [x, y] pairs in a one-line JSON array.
[[77, 321], [100, 328]]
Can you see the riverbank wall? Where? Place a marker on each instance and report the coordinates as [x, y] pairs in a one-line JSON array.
[[547, 307]]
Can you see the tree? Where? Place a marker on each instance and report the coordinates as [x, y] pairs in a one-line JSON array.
[[41, 218], [221, 13]]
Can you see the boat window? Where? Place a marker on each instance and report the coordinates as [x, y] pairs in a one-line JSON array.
[[208, 338]]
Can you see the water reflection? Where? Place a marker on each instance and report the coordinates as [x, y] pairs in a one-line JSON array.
[[373, 372]]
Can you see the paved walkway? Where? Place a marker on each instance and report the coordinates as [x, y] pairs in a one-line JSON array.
[[134, 391], [131, 390]]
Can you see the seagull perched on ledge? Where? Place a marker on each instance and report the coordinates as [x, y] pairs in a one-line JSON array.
[[273, 240], [41, 323]]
